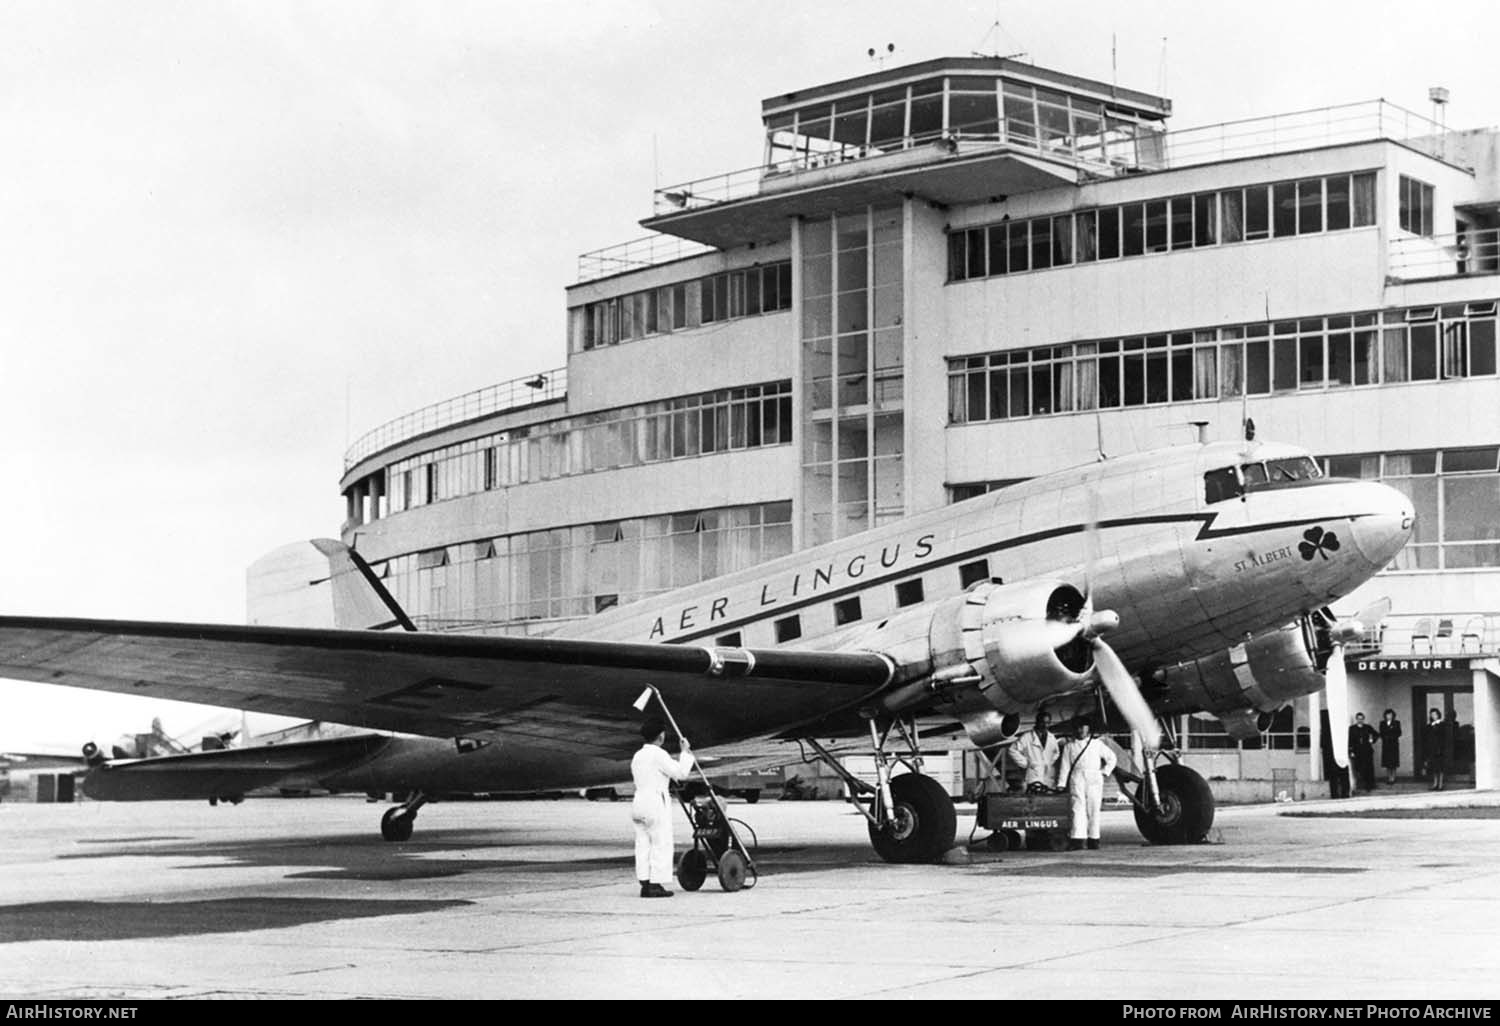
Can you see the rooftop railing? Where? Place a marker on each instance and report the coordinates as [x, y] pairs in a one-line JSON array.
[[1426, 635], [647, 251], [1444, 256], [508, 395], [1144, 150]]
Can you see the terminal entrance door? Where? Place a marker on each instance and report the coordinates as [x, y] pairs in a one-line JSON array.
[[1457, 705]]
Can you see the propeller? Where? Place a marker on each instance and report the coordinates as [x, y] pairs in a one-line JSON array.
[[1336, 688], [1122, 688], [1336, 675], [1117, 680]]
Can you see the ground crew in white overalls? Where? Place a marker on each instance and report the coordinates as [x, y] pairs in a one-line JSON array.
[[651, 808], [1086, 761], [1035, 751]]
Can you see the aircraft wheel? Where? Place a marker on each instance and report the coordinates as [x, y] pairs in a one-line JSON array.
[[1187, 808], [396, 826], [732, 869], [923, 822], [692, 869]]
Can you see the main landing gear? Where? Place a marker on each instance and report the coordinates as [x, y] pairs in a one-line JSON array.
[[1173, 804], [397, 823], [911, 817]]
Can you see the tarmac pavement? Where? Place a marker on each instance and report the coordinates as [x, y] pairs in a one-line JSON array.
[[299, 898]]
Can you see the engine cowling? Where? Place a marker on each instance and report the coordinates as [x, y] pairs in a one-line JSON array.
[[1259, 676], [998, 650]]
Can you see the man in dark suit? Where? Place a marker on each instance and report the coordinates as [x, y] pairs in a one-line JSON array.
[[1362, 738]]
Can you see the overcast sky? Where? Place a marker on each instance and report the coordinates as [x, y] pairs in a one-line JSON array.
[[236, 236]]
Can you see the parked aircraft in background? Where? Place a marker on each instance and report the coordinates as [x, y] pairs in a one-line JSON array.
[[1208, 569]]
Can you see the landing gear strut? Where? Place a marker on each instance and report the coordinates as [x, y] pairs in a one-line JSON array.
[[911, 817], [397, 823]]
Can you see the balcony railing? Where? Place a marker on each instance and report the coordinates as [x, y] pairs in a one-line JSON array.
[[1145, 150], [647, 251], [508, 395], [1428, 635], [1445, 256]]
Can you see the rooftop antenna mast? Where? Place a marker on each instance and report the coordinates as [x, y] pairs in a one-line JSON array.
[[996, 30]]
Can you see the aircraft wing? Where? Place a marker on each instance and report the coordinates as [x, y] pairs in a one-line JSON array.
[[546, 691]]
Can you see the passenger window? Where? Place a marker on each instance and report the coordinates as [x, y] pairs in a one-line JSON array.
[[729, 640], [788, 629], [909, 593], [972, 573], [1221, 484], [846, 611]]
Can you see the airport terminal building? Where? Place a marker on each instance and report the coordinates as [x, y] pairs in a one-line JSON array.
[[955, 275]]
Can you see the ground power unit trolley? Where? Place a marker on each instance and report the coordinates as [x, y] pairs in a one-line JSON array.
[[716, 844]]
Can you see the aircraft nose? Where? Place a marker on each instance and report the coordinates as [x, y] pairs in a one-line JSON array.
[[1386, 526]]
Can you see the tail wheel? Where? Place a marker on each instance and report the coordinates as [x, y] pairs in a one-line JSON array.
[[1187, 808], [396, 824], [922, 824]]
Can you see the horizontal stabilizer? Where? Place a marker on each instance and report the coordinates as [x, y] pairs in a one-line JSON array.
[[228, 772]]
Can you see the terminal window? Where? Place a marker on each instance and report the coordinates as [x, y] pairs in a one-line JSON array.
[[1415, 206]]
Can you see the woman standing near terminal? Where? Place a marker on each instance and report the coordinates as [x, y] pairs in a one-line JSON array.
[[1435, 747], [1390, 744]]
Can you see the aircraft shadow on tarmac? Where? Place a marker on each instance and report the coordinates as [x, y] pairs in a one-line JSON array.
[[134, 920], [340, 857]]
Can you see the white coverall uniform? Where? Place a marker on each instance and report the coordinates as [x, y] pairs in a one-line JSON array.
[[651, 810], [1085, 764], [1037, 757]]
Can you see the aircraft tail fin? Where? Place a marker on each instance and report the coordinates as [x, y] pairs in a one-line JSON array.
[[360, 600]]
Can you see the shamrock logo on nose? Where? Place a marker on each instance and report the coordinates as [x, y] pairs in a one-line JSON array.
[[1318, 543]]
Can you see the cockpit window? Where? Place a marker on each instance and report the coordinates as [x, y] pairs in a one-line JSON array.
[[1228, 483], [1300, 468], [1221, 484]]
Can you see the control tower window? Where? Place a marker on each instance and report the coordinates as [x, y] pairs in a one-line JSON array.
[[888, 119], [973, 108], [926, 110], [1020, 114]]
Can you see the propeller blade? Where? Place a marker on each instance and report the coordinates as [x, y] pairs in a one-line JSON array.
[[1371, 615], [1090, 551], [1336, 686], [1126, 696]]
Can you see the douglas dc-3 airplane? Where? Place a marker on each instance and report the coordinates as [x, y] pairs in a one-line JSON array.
[[1209, 568]]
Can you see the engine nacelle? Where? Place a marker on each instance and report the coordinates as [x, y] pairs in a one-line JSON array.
[[1261, 675], [998, 650]]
